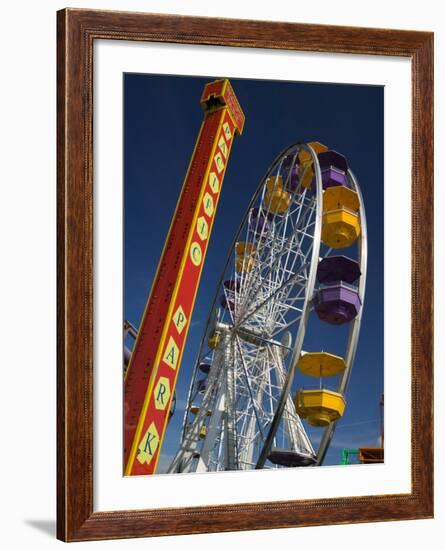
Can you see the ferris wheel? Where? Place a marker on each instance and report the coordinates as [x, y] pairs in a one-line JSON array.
[[246, 408]]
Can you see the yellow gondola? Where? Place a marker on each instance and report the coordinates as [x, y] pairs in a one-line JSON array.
[[318, 147], [319, 407], [276, 200], [340, 196], [341, 223], [244, 249], [214, 340], [203, 432], [244, 264], [340, 228], [306, 173], [244, 256], [321, 364], [274, 183], [194, 409]]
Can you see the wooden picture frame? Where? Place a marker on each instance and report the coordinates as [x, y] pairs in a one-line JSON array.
[[77, 31]]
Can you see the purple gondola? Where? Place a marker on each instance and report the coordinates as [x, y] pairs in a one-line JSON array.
[[227, 303], [333, 168], [338, 303], [231, 284], [204, 367], [338, 268], [291, 458], [259, 223], [201, 385], [289, 172]]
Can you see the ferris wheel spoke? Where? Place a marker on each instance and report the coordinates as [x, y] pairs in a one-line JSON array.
[[281, 272], [298, 280], [281, 245], [291, 280], [279, 249], [253, 427], [248, 384], [272, 290]]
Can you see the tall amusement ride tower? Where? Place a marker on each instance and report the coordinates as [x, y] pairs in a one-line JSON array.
[[152, 372]]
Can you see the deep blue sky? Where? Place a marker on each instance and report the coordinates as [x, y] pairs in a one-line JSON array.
[[162, 117]]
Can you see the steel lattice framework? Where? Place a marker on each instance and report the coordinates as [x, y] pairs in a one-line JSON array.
[[244, 408]]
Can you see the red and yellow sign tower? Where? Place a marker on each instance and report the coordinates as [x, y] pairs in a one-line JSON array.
[[151, 375]]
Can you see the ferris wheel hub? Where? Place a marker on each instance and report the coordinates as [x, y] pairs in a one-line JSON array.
[[257, 337]]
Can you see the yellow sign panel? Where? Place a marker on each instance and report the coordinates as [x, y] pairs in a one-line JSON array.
[[202, 228], [148, 445], [171, 353], [214, 182], [162, 393], [219, 161], [196, 253], [227, 131], [223, 146], [179, 319], [208, 205]]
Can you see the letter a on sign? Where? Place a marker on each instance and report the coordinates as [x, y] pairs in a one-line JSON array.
[[171, 353]]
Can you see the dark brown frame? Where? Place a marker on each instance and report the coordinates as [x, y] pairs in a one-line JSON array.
[[77, 30]]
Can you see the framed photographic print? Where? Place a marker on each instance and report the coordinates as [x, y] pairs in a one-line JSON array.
[[244, 275]]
